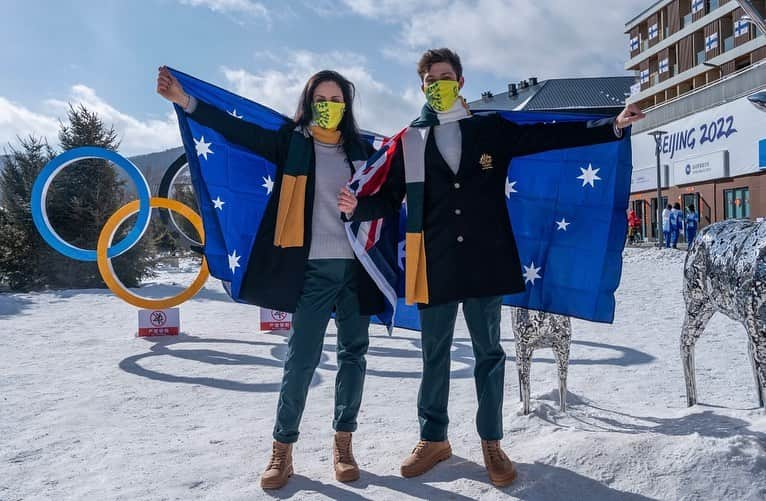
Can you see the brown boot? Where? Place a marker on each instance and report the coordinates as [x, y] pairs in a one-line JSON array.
[[501, 470], [280, 466], [424, 456], [346, 469]]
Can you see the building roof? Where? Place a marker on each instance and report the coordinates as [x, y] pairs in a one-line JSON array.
[[562, 94], [653, 8]]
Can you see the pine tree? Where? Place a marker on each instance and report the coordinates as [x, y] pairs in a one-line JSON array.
[[87, 194], [26, 261], [80, 200]]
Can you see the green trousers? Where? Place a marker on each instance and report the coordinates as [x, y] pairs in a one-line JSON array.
[[329, 284], [438, 326]]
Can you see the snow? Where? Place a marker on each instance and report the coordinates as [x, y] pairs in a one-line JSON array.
[[87, 411]]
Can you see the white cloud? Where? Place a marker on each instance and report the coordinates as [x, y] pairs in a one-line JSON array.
[[378, 108], [231, 6], [18, 121], [387, 10], [555, 38], [137, 136]]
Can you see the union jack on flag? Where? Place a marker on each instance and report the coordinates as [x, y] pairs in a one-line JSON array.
[[375, 242]]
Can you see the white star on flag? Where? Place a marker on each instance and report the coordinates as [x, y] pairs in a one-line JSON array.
[[218, 203], [234, 113], [562, 224], [509, 187], [234, 261], [401, 255], [268, 184], [531, 273], [202, 147], [589, 175]]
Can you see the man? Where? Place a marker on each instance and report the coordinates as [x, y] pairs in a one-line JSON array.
[[452, 166], [666, 225], [676, 224], [692, 221]]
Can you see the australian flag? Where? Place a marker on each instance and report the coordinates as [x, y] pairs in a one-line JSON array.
[[232, 183], [568, 211], [567, 208]]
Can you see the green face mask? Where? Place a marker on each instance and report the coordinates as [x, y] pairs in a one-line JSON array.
[[328, 114], [442, 94]]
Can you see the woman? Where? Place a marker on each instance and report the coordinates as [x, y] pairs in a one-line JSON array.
[[302, 261]]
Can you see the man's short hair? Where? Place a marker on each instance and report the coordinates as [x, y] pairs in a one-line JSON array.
[[442, 55]]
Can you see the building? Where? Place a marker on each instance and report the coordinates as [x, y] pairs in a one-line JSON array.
[[595, 96], [698, 63]]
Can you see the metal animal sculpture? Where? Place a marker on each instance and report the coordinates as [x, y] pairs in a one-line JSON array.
[[536, 329], [725, 272]]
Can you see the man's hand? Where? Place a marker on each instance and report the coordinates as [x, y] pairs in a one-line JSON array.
[[631, 113], [346, 202], [169, 88]]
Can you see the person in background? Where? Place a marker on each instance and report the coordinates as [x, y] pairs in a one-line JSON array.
[[692, 222], [634, 224], [666, 225], [676, 224]]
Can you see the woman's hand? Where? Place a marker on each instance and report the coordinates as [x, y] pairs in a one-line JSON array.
[[169, 88], [346, 202]]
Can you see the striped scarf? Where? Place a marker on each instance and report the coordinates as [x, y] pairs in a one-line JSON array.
[[414, 142], [290, 223], [365, 236]]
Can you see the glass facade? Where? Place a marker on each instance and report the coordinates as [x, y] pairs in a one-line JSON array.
[[736, 203]]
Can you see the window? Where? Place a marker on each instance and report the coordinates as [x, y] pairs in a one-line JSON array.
[[712, 5], [736, 203]]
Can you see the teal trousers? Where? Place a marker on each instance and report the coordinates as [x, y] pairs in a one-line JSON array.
[[329, 284], [482, 315]]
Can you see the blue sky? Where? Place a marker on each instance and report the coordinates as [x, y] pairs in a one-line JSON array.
[[105, 53]]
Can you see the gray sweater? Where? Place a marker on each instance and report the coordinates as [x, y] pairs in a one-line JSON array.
[[328, 233]]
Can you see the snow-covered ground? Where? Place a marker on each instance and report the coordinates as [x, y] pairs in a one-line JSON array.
[[87, 411]]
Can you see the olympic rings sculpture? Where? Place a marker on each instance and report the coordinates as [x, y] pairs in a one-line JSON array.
[[166, 186], [105, 251]]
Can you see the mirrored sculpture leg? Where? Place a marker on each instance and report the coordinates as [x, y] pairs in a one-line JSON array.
[[561, 351], [756, 348], [524, 366], [694, 325], [759, 386]]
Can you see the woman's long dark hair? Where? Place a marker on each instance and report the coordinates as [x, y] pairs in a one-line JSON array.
[[349, 130]]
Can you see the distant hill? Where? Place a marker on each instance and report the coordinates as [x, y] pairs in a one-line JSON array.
[[152, 165]]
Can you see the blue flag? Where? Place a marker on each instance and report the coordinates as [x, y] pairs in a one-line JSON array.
[[567, 207], [568, 211]]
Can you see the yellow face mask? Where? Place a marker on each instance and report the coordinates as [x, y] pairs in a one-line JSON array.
[[328, 114], [442, 94]]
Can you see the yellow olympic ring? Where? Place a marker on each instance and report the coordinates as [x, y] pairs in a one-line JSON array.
[[105, 263]]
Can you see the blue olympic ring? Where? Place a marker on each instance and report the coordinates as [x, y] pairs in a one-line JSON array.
[[40, 193]]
